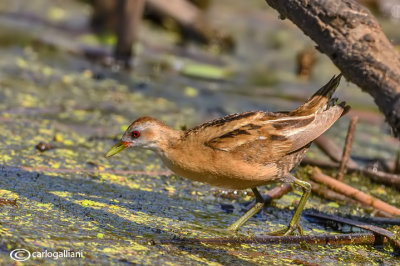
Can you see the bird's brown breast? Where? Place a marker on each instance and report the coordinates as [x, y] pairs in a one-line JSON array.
[[218, 168]]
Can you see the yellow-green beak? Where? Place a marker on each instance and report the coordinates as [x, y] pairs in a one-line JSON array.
[[120, 146]]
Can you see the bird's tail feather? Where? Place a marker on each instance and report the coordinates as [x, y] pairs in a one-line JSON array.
[[321, 100]]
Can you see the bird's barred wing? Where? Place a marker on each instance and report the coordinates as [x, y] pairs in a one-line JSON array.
[[233, 125], [274, 137]]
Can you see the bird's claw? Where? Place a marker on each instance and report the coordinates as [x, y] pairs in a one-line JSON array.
[[287, 231]]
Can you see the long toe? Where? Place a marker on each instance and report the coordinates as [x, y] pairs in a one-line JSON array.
[[290, 230], [232, 228]]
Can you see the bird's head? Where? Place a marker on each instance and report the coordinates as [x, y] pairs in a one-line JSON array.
[[145, 132]]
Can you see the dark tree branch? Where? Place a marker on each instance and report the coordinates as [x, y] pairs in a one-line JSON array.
[[350, 35]]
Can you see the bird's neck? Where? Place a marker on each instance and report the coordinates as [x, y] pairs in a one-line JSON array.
[[168, 137]]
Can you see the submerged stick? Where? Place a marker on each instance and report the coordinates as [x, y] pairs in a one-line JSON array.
[[347, 148], [374, 174], [375, 229], [277, 193], [320, 163], [329, 147], [382, 177], [353, 193], [332, 150], [8, 202], [376, 220], [343, 199], [339, 239], [329, 194]]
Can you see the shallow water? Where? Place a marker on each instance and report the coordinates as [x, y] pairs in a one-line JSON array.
[[49, 95]]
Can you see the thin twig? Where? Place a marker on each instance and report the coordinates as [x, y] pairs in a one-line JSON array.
[[376, 220], [8, 202], [373, 173], [329, 147], [329, 194], [347, 148], [375, 229], [332, 150], [320, 163], [275, 193], [339, 239], [353, 193], [382, 177]]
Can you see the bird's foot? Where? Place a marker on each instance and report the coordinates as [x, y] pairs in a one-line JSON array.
[[289, 230], [232, 228]]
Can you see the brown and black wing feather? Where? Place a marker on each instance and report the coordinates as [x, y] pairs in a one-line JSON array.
[[266, 136], [229, 126], [269, 140], [263, 140]]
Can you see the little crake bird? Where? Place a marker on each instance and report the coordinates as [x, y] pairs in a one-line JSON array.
[[243, 150]]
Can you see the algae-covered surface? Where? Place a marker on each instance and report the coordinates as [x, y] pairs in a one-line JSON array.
[[116, 210]]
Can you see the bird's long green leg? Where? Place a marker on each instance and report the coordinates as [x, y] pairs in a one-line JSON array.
[[250, 213], [294, 223]]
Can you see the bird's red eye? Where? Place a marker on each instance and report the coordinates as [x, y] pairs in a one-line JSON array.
[[135, 134]]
